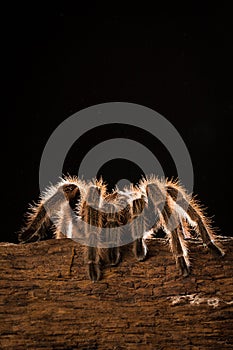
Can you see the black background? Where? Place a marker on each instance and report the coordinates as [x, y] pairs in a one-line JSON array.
[[56, 64]]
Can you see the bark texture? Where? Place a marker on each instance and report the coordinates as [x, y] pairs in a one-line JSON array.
[[137, 305]]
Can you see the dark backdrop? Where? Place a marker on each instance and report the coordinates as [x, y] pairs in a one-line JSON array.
[[58, 64]]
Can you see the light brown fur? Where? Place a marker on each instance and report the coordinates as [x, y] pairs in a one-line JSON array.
[[152, 205]]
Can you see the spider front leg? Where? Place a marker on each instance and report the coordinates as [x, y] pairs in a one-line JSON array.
[[66, 223], [111, 232], [40, 222], [92, 217]]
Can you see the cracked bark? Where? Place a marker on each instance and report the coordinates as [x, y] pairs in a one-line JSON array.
[[137, 305]]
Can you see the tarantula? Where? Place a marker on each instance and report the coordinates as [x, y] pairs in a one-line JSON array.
[[101, 221]]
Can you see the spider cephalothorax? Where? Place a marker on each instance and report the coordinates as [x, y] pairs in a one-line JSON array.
[[102, 221]]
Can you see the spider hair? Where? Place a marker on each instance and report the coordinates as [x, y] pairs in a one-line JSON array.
[[86, 211]]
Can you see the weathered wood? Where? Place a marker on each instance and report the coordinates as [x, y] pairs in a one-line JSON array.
[[137, 305]]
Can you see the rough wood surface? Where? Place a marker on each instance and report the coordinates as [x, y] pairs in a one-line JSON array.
[[137, 305]]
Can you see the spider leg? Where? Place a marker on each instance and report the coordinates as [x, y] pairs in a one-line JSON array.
[[172, 225], [39, 226], [193, 213], [114, 255], [138, 227], [39, 223], [92, 216], [72, 260], [179, 250], [66, 222], [161, 214], [93, 260], [156, 201], [111, 233]]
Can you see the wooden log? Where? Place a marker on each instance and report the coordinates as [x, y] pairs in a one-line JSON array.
[[137, 305]]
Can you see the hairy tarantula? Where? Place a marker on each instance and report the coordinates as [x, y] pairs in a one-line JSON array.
[[101, 221]]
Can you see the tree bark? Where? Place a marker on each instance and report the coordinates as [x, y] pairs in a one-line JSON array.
[[48, 302]]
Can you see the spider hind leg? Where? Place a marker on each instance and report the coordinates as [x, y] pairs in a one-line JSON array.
[[195, 214], [167, 217], [204, 230]]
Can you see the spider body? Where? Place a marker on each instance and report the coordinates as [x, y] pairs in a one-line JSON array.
[[101, 220]]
